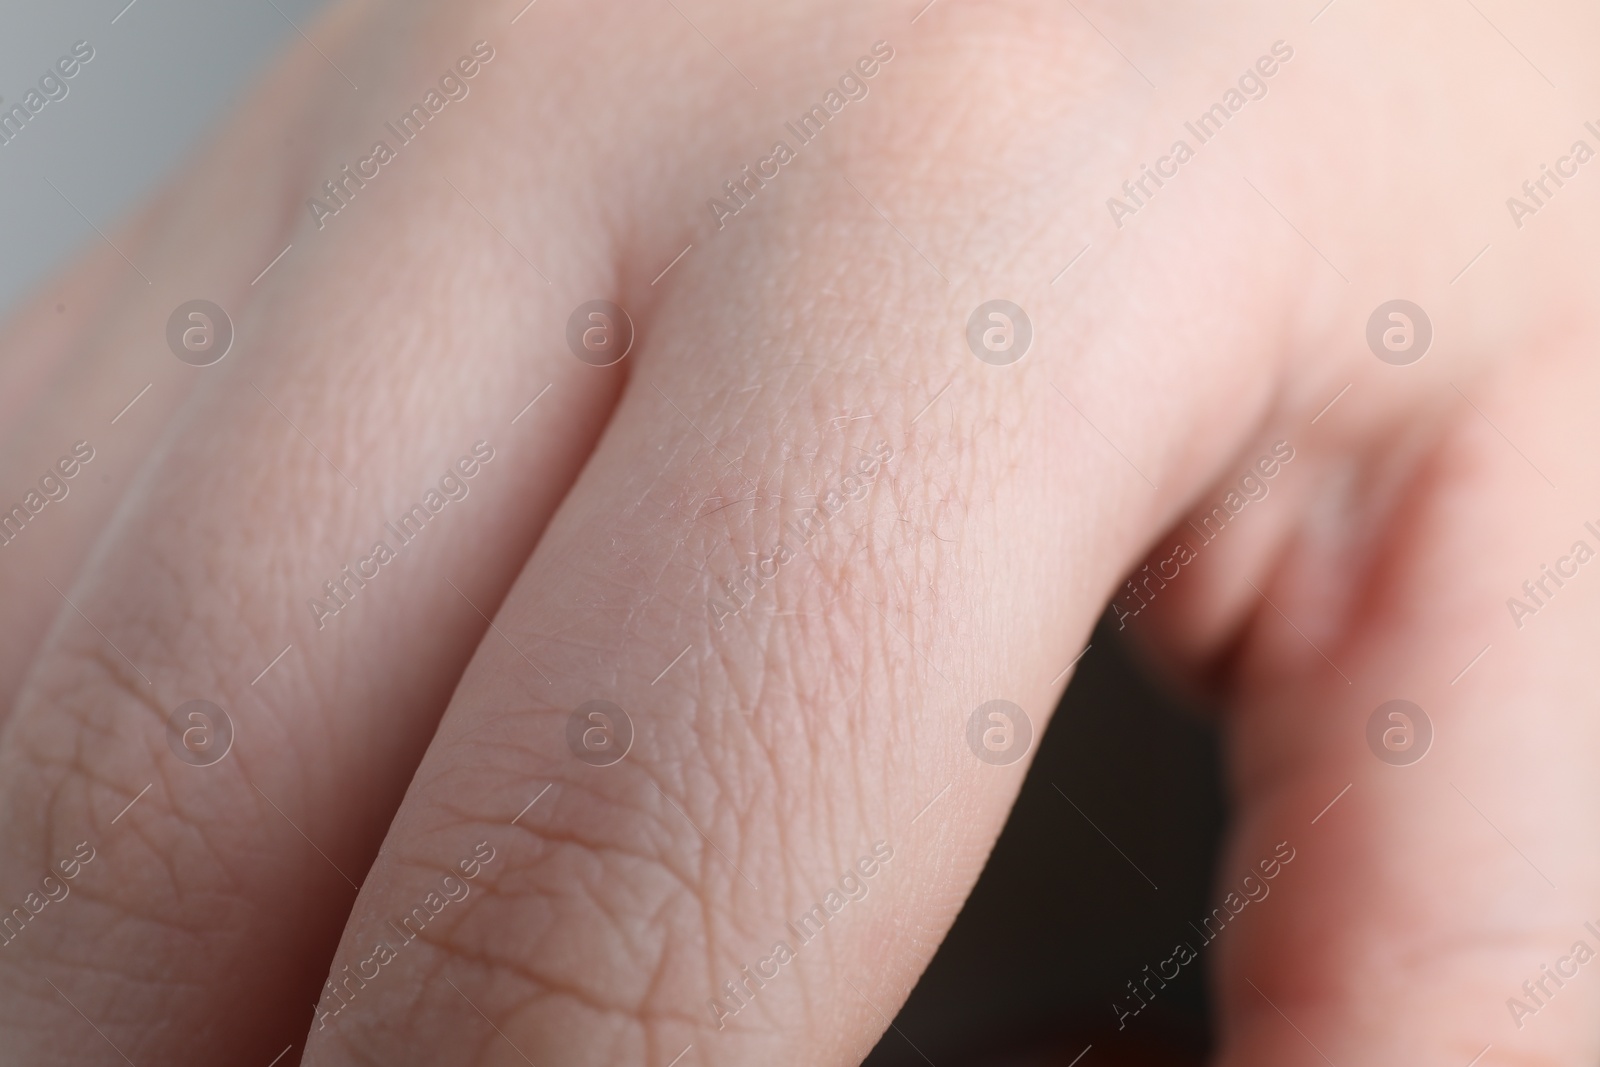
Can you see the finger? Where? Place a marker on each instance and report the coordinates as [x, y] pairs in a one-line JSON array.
[[1423, 895], [90, 369], [800, 813], [379, 391]]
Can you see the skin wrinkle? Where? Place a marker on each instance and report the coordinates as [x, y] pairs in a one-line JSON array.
[[714, 869], [541, 985], [174, 881], [1441, 951], [588, 846], [80, 778], [1314, 991], [538, 982], [706, 859], [595, 884], [114, 904], [73, 781], [159, 802], [148, 229], [823, 650], [791, 703]]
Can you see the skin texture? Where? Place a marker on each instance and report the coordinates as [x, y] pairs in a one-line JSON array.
[[776, 748]]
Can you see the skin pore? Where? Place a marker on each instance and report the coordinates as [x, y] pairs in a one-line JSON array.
[[772, 752]]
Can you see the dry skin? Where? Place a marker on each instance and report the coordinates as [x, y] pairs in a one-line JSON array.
[[823, 718]]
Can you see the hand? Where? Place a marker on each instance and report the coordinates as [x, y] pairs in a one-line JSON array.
[[799, 682]]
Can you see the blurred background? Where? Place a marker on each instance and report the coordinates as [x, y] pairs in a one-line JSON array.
[[1081, 893], [1061, 921]]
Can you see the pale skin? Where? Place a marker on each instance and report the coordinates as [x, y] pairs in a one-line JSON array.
[[775, 355]]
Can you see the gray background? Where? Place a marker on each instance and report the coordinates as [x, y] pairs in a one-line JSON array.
[[161, 75], [1058, 923]]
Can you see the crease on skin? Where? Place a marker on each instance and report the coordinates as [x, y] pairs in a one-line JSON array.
[[94, 730], [454, 946], [541, 986], [553, 840], [713, 862], [1302, 1002], [644, 850], [623, 924], [777, 685], [1438, 954], [1539, 942], [115, 671], [116, 917], [79, 773]]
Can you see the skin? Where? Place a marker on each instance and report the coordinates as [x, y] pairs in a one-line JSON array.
[[830, 713]]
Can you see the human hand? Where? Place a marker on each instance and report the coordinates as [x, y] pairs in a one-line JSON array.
[[812, 725]]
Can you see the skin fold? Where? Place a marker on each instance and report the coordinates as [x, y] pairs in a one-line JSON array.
[[406, 752]]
